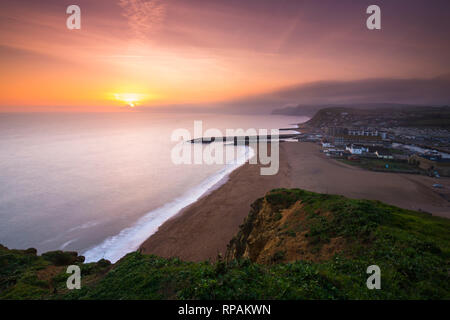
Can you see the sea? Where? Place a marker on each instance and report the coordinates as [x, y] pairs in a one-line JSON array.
[[102, 183]]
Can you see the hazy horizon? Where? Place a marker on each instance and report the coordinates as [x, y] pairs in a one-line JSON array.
[[252, 56]]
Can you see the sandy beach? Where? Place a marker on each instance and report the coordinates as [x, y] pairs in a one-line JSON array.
[[203, 230]]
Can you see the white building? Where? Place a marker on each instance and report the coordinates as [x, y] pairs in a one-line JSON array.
[[363, 132], [356, 149], [384, 154]]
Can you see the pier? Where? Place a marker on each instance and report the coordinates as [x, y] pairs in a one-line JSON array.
[[245, 140]]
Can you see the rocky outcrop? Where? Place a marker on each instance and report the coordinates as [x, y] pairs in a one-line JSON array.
[[278, 229]]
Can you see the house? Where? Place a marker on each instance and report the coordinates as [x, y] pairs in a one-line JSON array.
[[334, 153], [383, 153], [356, 149]]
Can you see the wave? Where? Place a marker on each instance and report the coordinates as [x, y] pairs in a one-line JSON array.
[[86, 225], [129, 239], [65, 244]]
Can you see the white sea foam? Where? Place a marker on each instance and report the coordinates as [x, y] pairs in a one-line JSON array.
[[65, 244], [129, 239], [86, 225]]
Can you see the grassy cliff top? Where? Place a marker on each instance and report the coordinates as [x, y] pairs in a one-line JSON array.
[[294, 244]]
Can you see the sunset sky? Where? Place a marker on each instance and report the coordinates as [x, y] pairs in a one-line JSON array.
[[174, 52]]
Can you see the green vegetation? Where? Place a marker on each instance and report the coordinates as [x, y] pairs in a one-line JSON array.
[[411, 248], [384, 165]]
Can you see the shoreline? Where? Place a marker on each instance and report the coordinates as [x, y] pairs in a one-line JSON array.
[[203, 229], [129, 239]]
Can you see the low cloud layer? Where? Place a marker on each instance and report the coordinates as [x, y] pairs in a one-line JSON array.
[[434, 91]]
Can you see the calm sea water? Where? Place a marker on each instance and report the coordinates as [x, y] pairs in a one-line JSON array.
[[101, 184]]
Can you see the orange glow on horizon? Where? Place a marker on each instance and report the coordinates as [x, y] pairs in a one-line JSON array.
[[131, 99], [136, 55]]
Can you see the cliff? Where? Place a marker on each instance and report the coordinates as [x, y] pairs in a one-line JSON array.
[[293, 224], [284, 226], [294, 244]]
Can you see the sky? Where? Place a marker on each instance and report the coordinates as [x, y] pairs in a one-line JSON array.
[[149, 54]]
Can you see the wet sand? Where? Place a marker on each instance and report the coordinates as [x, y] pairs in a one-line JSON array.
[[203, 230]]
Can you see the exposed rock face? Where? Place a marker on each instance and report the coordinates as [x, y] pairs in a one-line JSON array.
[[286, 225], [253, 234], [279, 231]]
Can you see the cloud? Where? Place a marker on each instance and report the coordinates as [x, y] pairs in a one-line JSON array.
[[144, 16], [414, 90], [418, 91]]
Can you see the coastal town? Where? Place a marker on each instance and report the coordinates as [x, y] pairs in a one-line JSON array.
[[361, 142]]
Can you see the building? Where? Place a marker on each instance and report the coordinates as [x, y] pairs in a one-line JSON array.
[[334, 131], [340, 140], [335, 153], [383, 153], [382, 134], [362, 132], [431, 163], [355, 131], [357, 149]]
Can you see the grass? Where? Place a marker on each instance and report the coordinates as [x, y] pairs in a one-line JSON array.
[[380, 164], [411, 248]]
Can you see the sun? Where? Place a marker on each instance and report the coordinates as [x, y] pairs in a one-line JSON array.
[[131, 99]]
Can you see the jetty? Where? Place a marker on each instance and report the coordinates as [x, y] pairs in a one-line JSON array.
[[245, 140]]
